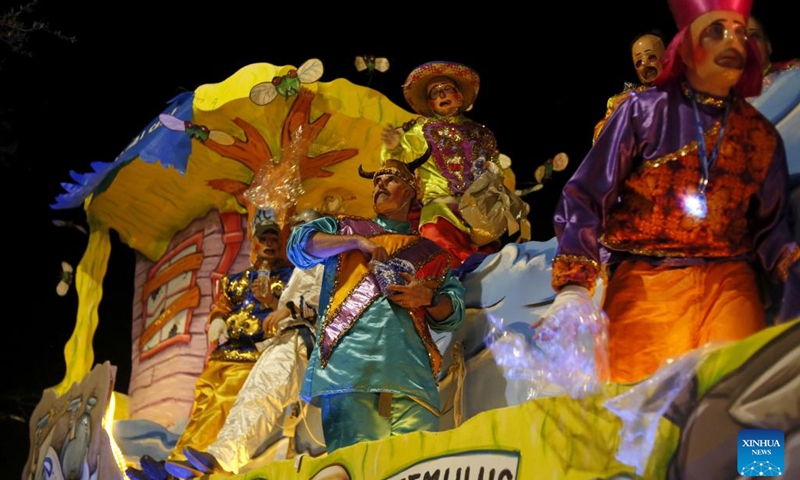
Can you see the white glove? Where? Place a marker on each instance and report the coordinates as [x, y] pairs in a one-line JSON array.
[[217, 329]]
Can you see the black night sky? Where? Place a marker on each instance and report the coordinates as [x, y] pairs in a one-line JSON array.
[[546, 73]]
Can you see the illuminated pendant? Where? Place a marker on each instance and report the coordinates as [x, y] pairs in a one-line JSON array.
[[695, 205]]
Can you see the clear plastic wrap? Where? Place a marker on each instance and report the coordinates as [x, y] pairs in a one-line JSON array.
[[572, 344], [514, 353], [565, 354], [277, 184], [642, 407]]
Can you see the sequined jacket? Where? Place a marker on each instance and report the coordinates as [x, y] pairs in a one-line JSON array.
[[244, 313], [460, 150]]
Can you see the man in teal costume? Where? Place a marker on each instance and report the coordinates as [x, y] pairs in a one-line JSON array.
[[374, 367]]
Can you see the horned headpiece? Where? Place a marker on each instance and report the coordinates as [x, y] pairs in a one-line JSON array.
[[398, 168]]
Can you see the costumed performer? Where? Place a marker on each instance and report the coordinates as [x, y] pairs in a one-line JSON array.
[[684, 193], [244, 301], [647, 50], [461, 151], [374, 367], [274, 382]]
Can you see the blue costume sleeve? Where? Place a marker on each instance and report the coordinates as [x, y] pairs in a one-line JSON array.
[[295, 247], [454, 290]]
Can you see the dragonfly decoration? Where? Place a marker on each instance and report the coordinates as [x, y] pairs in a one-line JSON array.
[[198, 132], [287, 85]]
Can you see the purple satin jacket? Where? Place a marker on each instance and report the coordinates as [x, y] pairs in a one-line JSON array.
[[629, 195]]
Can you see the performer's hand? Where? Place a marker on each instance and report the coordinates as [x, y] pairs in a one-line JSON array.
[[372, 250], [411, 295], [217, 329], [270, 324], [390, 136]]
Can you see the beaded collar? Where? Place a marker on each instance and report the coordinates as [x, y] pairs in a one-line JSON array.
[[702, 98]]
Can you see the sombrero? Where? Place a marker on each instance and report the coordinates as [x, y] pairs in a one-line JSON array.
[[416, 92]]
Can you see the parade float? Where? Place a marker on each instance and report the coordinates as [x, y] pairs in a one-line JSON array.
[[780, 103], [181, 196]]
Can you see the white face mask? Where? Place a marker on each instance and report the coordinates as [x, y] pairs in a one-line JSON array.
[[647, 52], [718, 54]]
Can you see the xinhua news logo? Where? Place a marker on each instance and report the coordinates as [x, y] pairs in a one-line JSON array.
[[760, 453]]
